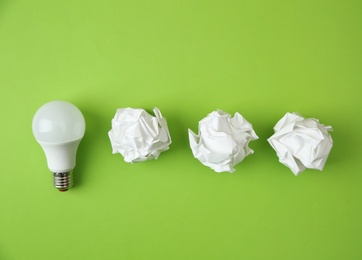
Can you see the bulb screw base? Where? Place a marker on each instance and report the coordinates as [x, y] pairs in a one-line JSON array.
[[63, 180]]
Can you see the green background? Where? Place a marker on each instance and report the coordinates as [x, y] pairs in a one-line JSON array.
[[188, 58]]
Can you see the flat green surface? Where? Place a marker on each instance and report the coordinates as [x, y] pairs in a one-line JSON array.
[[188, 58]]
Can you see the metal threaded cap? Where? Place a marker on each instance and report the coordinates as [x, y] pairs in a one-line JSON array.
[[63, 180]]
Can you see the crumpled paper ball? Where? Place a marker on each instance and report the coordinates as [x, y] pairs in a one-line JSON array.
[[137, 135], [222, 141], [301, 142]]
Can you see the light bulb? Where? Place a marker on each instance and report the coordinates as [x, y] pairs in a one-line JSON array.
[[59, 126]]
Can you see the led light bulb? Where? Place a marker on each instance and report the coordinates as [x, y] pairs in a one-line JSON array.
[[59, 126]]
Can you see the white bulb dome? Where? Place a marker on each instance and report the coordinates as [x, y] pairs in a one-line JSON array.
[[58, 122]]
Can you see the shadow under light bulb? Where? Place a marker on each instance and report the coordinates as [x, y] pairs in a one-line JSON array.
[[59, 126]]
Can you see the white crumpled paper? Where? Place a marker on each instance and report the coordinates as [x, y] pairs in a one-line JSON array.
[[301, 142], [222, 141], [137, 135]]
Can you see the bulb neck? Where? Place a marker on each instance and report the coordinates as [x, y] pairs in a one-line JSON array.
[[63, 180], [61, 157]]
